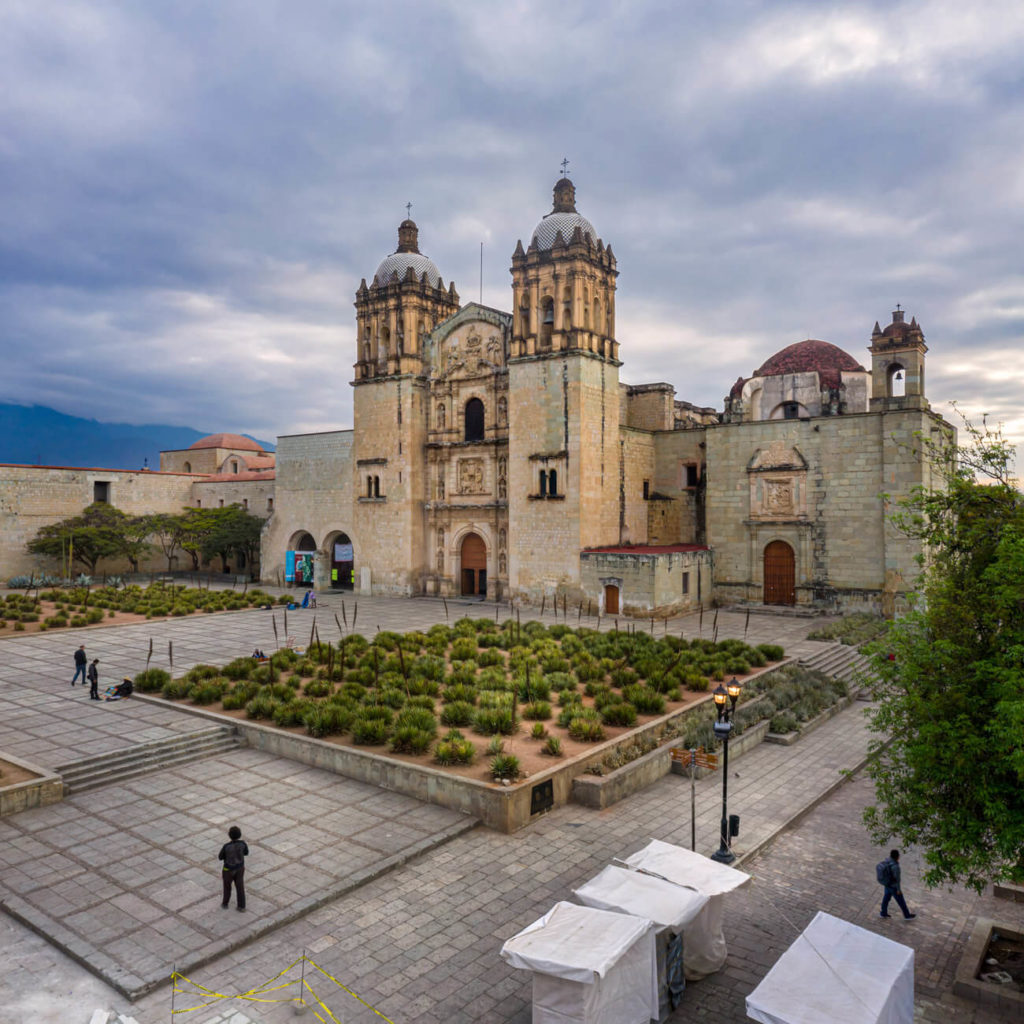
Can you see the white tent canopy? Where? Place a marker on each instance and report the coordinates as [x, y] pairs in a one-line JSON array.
[[684, 867], [838, 972], [590, 965], [629, 892], [706, 950]]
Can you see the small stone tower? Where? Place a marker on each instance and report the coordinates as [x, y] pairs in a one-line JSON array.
[[897, 365]]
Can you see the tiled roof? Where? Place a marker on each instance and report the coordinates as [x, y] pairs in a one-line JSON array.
[[811, 356], [236, 441]]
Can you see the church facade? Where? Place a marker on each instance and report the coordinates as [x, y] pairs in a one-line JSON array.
[[496, 454]]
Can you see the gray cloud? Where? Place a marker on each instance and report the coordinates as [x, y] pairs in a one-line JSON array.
[[193, 193]]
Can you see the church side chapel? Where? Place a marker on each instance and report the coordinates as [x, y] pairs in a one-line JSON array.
[[497, 455]]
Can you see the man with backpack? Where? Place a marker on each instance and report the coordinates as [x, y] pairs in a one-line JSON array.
[[888, 874], [233, 854]]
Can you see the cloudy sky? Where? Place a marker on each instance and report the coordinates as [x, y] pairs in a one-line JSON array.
[[192, 192]]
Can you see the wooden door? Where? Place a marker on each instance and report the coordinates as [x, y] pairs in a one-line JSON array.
[[474, 565], [779, 573], [611, 600]]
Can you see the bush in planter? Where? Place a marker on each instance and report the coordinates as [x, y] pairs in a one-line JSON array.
[[538, 711], [458, 713], [261, 706], [644, 699], [407, 739], [151, 680], [538, 732], [493, 679], [238, 696], [291, 713], [208, 692], [617, 714], [423, 687], [773, 652], [318, 688], [783, 722], [495, 746], [454, 749], [392, 697], [490, 658], [505, 766], [369, 731], [239, 668], [552, 747], [586, 730], [176, 689], [461, 693], [488, 721]]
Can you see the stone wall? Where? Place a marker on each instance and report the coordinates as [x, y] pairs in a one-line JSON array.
[[818, 486], [313, 494], [35, 496], [650, 583]]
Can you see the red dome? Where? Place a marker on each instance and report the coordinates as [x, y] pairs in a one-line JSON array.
[[811, 356], [235, 441]]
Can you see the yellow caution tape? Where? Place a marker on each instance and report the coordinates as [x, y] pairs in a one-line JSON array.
[[254, 995]]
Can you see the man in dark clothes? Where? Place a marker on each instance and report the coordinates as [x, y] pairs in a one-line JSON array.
[[80, 663], [233, 853], [892, 886], [94, 680]]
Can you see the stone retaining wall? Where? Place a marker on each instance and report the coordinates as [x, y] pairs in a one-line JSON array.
[[45, 788]]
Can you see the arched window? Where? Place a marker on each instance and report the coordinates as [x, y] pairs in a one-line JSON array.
[[897, 381], [543, 482], [547, 321], [474, 420], [552, 481], [188, 467]]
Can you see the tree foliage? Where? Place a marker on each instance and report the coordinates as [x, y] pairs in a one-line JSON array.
[[951, 690], [104, 532]]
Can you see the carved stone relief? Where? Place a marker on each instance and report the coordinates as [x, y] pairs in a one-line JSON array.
[[471, 476]]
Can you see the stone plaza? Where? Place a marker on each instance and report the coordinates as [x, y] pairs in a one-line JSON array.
[[404, 903]]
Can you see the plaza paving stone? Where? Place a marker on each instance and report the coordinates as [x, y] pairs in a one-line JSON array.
[[421, 942]]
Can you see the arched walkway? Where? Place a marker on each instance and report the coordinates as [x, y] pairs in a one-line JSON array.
[[342, 555], [779, 573], [299, 558], [473, 562]]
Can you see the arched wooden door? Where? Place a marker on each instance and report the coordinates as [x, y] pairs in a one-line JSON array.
[[473, 560], [779, 573], [611, 600]]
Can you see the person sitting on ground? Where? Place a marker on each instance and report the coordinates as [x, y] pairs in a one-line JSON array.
[[125, 688]]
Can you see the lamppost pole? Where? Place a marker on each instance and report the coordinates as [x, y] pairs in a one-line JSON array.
[[723, 729]]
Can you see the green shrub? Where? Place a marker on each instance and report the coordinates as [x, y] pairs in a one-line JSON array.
[[585, 730], [773, 652], [151, 680], [505, 766], [317, 688], [423, 687], [369, 731], [552, 747], [461, 693], [392, 697], [493, 679], [538, 732], [783, 722], [291, 713], [240, 668], [261, 706], [644, 699], [464, 648], [427, 703], [488, 721], [416, 718], [238, 696], [618, 714], [490, 658], [407, 739], [429, 667], [454, 749], [208, 692], [458, 713], [495, 746], [538, 711], [176, 689]]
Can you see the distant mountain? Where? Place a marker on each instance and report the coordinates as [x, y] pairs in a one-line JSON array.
[[36, 435]]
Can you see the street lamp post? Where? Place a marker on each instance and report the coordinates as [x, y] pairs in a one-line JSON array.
[[723, 728]]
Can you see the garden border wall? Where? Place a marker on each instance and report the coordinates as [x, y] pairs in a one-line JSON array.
[[47, 788]]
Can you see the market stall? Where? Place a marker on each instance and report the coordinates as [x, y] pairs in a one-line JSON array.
[[671, 907], [838, 972], [589, 966], [705, 939]]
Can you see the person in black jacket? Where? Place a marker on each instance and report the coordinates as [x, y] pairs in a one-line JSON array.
[[94, 680], [80, 663], [892, 887], [233, 853]]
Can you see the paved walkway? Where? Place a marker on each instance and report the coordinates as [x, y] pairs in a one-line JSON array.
[[421, 942]]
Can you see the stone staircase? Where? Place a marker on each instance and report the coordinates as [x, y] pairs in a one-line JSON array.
[[130, 762], [841, 661]]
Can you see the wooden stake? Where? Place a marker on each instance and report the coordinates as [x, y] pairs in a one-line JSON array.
[[150, 655]]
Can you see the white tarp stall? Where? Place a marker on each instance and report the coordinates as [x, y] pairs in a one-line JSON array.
[[589, 966], [672, 908], [705, 940], [837, 972]]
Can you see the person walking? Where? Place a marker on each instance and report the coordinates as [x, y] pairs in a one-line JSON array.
[[94, 680], [233, 854], [888, 872], [80, 663]]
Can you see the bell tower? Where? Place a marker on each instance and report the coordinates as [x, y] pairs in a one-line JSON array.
[[897, 365], [395, 313], [563, 285], [564, 445]]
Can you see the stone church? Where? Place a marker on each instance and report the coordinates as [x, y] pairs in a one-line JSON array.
[[497, 455]]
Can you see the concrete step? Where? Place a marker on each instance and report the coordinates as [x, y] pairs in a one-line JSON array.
[[839, 661], [117, 766]]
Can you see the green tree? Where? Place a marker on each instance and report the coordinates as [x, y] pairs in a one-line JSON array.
[[168, 531], [135, 544], [949, 766], [95, 534], [235, 532]]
